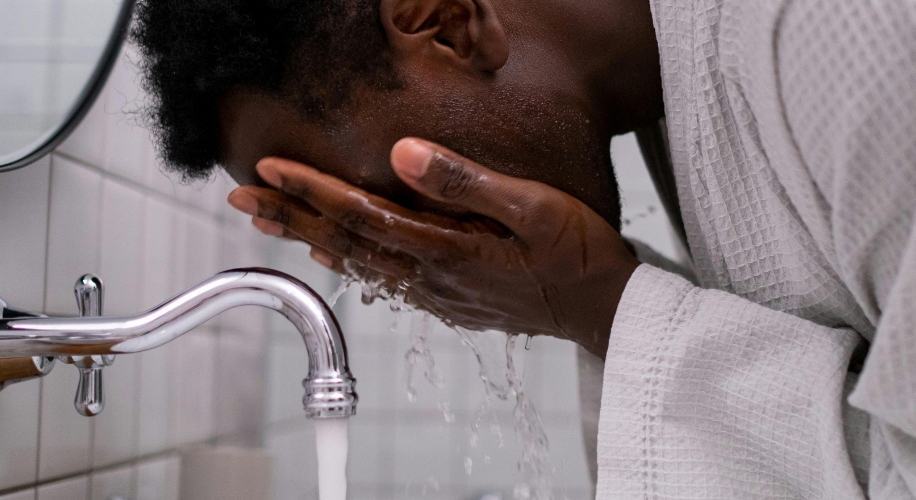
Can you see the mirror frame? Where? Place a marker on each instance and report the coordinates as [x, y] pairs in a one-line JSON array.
[[53, 138]]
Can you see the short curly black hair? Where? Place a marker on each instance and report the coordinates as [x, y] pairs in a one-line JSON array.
[[309, 52]]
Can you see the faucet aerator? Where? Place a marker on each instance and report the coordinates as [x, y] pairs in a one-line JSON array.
[[333, 397]]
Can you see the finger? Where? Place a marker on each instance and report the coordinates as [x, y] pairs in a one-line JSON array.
[[327, 260], [357, 211], [271, 228], [392, 267], [443, 175], [276, 215]]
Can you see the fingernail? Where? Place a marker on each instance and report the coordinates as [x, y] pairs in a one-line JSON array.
[[411, 158], [268, 173], [243, 202], [268, 227], [322, 258]]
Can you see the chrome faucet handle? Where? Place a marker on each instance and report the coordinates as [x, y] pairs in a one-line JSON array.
[[88, 292], [90, 398]]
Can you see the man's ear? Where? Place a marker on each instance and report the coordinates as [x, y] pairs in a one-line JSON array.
[[466, 32]]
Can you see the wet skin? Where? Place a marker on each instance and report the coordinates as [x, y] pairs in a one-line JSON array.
[[526, 244]]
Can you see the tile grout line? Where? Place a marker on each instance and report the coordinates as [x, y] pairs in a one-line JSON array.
[[152, 192], [44, 307], [134, 461], [100, 223], [138, 375]]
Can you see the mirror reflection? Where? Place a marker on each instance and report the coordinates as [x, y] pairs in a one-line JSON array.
[[48, 52]]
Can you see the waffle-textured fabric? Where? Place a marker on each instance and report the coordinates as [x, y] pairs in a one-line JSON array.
[[792, 128]]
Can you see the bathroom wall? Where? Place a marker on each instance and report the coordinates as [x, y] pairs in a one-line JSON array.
[[100, 204]]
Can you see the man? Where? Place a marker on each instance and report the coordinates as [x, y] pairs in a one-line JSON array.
[[792, 129]]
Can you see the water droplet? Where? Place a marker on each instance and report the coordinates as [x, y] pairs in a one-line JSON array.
[[342, 289], [447, 413], [431, 484]]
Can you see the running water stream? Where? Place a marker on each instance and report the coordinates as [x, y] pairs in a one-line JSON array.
[[333, 446], [332, 440], [494, 352]]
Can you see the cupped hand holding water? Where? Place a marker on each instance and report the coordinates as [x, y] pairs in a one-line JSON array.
[[530, 259]]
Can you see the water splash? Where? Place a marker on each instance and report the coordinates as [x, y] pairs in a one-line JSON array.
[[446, 408], [419, 349], [483, 412], [345, 283], [535, 461], [372, 284], [489, 348], [432, 484], [495, 354]]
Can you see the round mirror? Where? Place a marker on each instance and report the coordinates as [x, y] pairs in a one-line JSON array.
[[55, 56]]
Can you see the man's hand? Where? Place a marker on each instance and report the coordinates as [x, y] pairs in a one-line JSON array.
[[533, 260]]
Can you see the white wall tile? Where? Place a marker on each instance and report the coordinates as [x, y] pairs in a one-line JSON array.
[[156, 422], [118, 482], [201, 195], [239, 389], [73, 245], [155, 427], [70, 489], [87, 142], [116, 428], [642, 210], [24, 205], [221, 186], [556, 378], [18, 434], [567, 456], [159, 253], [295, 462], [287, 366], [158, 179], [21, 495], [158, 479], [367, 454], [122, 251], [122, 231], [65, 434], [127, 142], [422, 451], [629, 165], [193, 379], [201, 250], [292, 257]]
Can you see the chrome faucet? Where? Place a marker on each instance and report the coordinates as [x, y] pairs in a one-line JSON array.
[[30, 343]]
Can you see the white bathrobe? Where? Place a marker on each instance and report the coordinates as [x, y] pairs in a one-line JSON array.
[[792, 128]]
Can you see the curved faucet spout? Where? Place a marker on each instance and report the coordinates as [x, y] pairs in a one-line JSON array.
[[330, 387]]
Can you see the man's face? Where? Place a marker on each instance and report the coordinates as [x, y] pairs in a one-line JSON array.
[[524, 127]]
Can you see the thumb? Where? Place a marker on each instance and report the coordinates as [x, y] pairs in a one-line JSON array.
[[443, 175]]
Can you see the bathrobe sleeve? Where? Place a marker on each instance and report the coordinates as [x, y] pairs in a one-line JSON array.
[[707, 395]]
